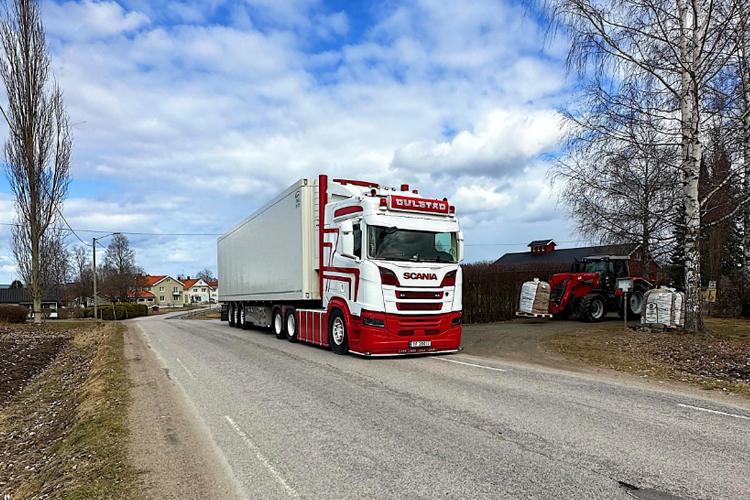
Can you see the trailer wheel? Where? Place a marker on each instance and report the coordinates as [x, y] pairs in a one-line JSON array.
[[290, 321], [593, 308], [337, 335], [277, 323], [231, 314], [242, 319]]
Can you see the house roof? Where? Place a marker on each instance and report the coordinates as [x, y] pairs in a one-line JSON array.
[[141, 294], [189, 283], [540, 243], [151, 280], [23, 296], [214, 283], [565, 255]]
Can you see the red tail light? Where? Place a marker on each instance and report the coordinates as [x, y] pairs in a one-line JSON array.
[[383, 203], [388, 277], [450, 279]]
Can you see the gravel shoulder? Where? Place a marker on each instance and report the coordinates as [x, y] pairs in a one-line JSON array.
[[172, 450]]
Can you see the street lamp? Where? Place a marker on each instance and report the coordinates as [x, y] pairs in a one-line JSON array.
[[93, 265]]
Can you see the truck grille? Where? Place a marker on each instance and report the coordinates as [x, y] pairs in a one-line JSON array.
[[419, 306]]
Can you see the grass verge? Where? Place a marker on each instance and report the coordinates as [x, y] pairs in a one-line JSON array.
[[716, 360], [65, 434]]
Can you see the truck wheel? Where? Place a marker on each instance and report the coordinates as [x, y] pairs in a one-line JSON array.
[[231, 315], [290, 321], [337, 335], [277, 323], [242, 320], [593, 308]]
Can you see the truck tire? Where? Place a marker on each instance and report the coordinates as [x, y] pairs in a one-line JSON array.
[[231, 314], [277, 323], [241, 316], [592, 308], [290, 325], [337, 334]]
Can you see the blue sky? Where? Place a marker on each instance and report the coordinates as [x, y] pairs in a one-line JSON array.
[[189, 115]]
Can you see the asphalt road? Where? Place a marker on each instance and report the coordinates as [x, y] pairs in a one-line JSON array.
[[298, 421]]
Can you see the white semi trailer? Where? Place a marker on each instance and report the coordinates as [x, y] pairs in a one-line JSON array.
[[349, 264]]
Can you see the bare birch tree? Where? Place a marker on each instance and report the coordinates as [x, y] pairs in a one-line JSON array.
[[678, 47], [618, 171], [37, 152]]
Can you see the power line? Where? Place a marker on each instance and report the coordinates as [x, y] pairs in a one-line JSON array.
[[132, 233], [144, 233]]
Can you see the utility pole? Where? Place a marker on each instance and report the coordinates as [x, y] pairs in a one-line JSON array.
[[93, 265]]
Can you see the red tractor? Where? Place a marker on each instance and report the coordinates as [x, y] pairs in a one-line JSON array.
[[591, 291]]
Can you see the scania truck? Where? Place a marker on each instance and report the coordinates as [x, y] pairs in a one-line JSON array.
[[350, 265]]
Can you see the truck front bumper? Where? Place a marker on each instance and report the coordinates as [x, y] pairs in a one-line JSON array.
[[400, 333]]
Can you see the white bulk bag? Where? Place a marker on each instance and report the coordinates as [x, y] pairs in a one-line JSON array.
[[534, 297]]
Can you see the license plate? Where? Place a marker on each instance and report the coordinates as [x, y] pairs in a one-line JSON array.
[[420, 343]]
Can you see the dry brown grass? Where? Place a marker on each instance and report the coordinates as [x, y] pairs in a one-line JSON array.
[[64, 435], [717, 360]]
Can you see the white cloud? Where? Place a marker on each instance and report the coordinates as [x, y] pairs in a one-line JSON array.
[[186, 122], [500, 145], [474, 198], [90, 19]]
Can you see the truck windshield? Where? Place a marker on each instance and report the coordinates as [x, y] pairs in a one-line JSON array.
[[391, 243]]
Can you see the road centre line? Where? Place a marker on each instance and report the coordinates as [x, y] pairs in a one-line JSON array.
[[713, 411], [471, 364], [262, 459], [185, 368]]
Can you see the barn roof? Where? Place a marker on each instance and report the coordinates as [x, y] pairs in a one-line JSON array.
[[564, 255]]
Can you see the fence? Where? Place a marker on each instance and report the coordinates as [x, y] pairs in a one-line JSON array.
[[490, 291]]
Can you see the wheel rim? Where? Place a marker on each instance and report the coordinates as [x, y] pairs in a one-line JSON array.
[[338, 331], [277, 324], [291, 326], [636, 302], [597, 309], [242, 315]]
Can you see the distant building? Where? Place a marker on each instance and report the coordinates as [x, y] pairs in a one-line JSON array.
[[167, 291], [22, 297], [196, 291], [142, 297], [544, 254]]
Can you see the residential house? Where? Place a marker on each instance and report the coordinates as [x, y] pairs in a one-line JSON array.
[[214, 284], [196, 291], [167, 291], [142, 297], [22, 297], [544, 255]]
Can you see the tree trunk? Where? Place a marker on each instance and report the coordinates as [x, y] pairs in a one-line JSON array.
[[745, 82], [691, 160]]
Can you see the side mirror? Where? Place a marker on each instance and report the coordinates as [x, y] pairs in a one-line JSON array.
[[346, 231], [460, 246]]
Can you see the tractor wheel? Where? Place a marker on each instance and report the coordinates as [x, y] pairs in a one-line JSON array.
[[635, 304], [592, 308]]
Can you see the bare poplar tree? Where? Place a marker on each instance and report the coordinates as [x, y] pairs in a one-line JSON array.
[[677, 47], [37, 152]]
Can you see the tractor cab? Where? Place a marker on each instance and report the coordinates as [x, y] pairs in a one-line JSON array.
[[608, 267]]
